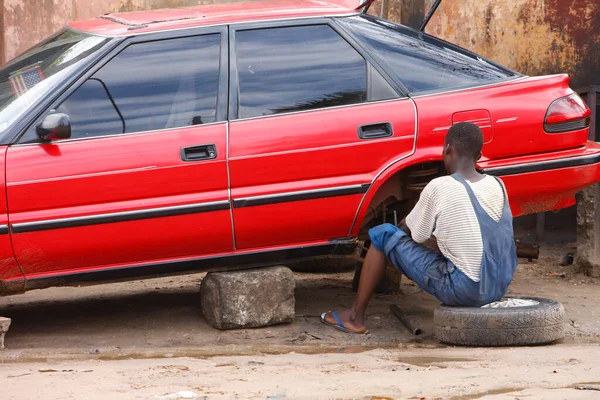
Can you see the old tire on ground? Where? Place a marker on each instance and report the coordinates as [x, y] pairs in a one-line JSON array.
[[522, 321]]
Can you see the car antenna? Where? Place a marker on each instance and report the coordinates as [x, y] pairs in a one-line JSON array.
[[429, 15]]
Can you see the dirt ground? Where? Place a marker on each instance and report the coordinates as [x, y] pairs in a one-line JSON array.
[[147, 339], [542, 372]]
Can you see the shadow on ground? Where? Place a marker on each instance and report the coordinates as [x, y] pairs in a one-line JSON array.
[[165, 312]]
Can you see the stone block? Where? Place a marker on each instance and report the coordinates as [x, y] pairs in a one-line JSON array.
[[4, 325], [248, 298], [588, 231]]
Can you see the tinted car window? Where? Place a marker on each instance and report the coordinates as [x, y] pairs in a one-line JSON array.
[[92, 111], [149, 86], [422, 62], [299, 68], [26, 79]]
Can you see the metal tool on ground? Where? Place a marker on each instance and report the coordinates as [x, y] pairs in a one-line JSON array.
[[415, 330]]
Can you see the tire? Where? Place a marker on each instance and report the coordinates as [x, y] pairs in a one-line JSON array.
[[512, 326]]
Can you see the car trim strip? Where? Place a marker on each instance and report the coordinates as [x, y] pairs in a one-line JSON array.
[[541, 166], [4, 229], [125, 216], [300, 195], [260, 258], [119, 217], [503, 120]]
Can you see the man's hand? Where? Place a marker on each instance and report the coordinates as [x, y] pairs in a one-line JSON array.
[[402, 225], [430, 243]]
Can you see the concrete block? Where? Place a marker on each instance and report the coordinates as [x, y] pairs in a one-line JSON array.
[[588, 231], [4, 325], [248, 298]]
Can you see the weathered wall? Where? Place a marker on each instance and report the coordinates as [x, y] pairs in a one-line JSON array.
[[531, 36], [534, 37], [2, 44]]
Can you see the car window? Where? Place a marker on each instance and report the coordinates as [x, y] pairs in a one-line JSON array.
[[26, 79], [92, 111], [282, 70], [149, 86], [421, 62]]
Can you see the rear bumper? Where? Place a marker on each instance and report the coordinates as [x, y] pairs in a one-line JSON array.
[[548, 184]]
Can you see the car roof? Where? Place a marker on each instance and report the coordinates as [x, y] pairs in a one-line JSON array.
[[131, 23]]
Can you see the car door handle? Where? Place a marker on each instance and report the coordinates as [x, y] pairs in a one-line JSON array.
[[199, 153], [375, 131]]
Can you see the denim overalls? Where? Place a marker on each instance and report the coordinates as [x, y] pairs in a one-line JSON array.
[[499, 261], [438, 276]]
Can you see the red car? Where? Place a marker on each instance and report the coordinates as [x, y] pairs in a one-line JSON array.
[[222, 136]]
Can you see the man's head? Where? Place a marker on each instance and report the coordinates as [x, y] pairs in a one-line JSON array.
[[463, 146]]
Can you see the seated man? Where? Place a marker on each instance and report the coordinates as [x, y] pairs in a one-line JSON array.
[[469, 216]]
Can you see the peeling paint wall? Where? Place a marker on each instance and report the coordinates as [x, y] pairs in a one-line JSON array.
[[2, 44], [535, 37], [28, 21]]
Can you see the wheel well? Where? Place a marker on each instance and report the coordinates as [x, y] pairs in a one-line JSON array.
[[398, 194]]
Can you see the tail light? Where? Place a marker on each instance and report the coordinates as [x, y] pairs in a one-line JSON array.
[[567, 114]]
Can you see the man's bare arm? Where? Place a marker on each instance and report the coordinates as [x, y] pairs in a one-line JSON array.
[[430, 243]]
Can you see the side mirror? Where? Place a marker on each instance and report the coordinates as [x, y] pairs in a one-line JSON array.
[[54, 127]]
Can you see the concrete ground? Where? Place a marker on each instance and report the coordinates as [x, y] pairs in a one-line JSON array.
[[147, 338]]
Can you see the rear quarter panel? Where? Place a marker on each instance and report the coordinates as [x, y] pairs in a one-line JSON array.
[[517, 108], [518, 111]]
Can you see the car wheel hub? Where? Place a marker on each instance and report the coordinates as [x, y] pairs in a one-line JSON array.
[[512, 303]]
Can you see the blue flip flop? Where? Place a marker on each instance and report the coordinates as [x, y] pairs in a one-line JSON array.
[[339, 326]]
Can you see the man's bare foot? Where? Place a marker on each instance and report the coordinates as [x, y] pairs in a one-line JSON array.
[[345, 316]]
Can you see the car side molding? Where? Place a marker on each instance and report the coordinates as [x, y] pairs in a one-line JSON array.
[[543, 165], [243, 260], [118, 217], [300, 195]]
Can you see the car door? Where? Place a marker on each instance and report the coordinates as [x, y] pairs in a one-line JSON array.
[[143, 177], [312, 124], [11, 276]]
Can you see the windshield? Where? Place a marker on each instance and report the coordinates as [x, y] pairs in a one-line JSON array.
[[28, 77]]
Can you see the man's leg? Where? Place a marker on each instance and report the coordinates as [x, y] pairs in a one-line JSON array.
[[372, 272]]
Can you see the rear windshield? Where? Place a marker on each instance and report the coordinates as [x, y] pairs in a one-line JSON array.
[[24, 80], [421, 62]]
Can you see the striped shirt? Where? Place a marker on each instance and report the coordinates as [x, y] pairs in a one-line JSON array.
[[444, 210]]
